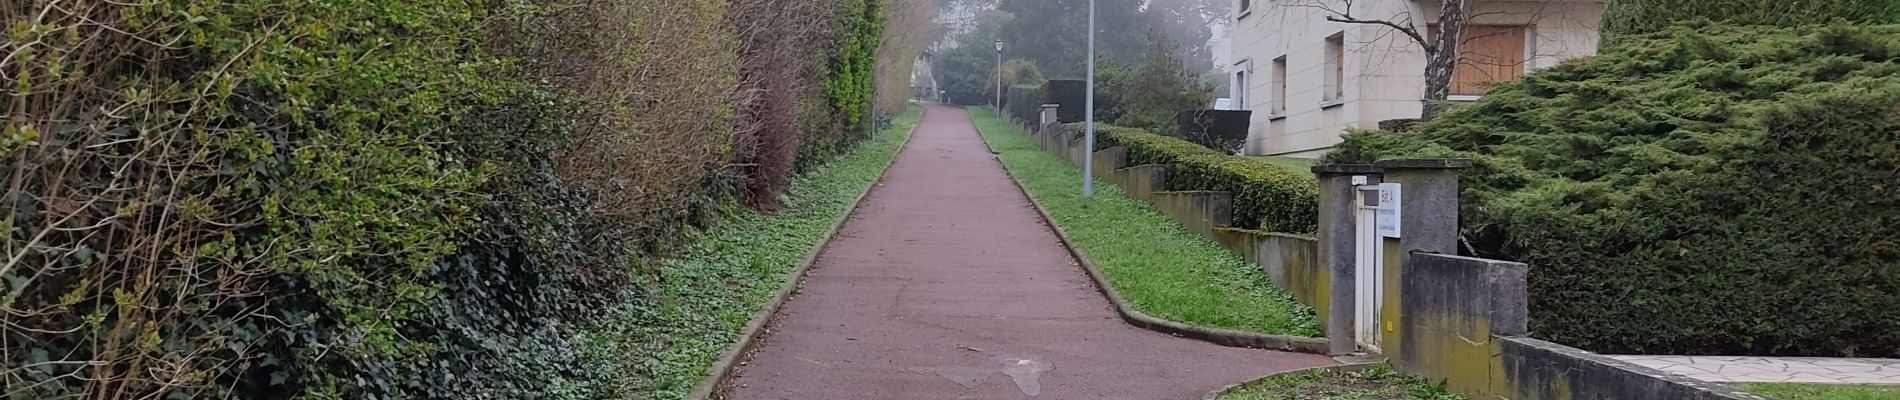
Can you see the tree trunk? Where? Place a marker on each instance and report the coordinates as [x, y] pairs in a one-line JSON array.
[[1441, 59]]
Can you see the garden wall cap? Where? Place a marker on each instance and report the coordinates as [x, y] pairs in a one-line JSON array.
[[1346, 169], [1425, 163]]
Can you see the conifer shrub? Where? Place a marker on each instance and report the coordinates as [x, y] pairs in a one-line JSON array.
[[1708, 190]]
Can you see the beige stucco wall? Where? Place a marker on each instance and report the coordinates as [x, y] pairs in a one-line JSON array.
[[1384, 68]]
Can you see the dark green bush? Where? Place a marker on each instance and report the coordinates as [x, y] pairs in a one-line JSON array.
[[1024, 102], [1266, 196], [1714, 190], [1623, 18]]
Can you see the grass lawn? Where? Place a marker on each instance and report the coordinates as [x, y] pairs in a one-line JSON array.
[[1378, 383], [658, 342], [1298, 165], [1158, 267], [1796, 391]]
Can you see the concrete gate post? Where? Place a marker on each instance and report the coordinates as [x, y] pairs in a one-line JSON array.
[[1338, 234], [1428, 223], [1429, 205]]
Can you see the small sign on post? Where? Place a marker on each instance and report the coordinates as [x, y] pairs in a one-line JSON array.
[[1388, 218]]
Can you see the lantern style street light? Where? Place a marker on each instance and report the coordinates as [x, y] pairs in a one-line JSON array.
[[999, 76]]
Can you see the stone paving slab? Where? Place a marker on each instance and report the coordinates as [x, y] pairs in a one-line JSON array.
[[1882, 371]]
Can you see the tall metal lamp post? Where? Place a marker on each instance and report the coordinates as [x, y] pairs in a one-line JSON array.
[[1088, 160], [999, 76]]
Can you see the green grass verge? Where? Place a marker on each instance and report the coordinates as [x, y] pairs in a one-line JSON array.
[[1796, 391], [657, 343], [1378, 383], [1156, 265], [1300, 166]]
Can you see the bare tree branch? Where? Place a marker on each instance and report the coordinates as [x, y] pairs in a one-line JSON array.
[[1408, 31]]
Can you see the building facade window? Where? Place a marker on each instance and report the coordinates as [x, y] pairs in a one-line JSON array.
[[1335, 69], [1279, 87], [1240, 90]]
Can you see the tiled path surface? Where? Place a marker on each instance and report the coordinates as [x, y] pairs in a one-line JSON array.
[[946, 285], [1775, 369]]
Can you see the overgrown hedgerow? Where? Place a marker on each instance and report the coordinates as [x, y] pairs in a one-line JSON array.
[[1710, 190], [372, 198]]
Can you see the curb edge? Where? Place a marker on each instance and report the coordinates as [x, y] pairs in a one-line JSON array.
[[1350, 367], [729, 360], [1220, 336]]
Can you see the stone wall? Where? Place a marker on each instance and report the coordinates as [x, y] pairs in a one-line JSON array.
[[1464, 320], [1292, 261]]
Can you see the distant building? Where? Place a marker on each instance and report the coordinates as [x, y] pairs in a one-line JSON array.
[[1308, 79], [923, 81]]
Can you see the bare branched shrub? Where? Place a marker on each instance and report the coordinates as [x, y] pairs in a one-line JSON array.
[[121, 208], [783, 59], [910, 26], [647, 87]]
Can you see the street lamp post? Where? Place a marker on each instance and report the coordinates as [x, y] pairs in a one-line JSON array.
[[1088, 160], [999, 76]]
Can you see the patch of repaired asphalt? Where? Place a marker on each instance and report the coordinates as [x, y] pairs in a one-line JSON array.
[[1026, 372]]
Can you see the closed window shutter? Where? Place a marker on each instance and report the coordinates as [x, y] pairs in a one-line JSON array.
[[1489, 53]]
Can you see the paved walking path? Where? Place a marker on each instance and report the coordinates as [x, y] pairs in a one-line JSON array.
[[1775, 369], [946, 285]]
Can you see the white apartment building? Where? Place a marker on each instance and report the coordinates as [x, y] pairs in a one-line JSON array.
[[1307, 80]]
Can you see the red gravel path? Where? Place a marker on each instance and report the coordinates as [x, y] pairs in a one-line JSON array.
[[946, 285]]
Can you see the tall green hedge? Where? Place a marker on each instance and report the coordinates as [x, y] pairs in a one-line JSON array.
[[1025, 101], [1636, 17], [1711, 190], [851, 87], [1266, 196]]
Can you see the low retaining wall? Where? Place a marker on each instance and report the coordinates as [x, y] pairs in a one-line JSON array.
[[1540, 370], [1140, 182], [1463, 319], [1200, 212], [1449, 308], [1291, 260]]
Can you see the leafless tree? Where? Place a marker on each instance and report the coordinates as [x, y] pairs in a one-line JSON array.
[[1440, 41]]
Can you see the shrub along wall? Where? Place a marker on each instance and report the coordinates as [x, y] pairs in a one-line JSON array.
[[1713, 190], [1266, 196], [370, 198]]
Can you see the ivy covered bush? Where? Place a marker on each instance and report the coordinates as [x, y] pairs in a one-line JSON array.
[[380, 198], [1706, 190], [1266, 196]]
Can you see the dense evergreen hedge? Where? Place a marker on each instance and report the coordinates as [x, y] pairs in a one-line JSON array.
[[1623, 18], [1024, 102], [1266, 196], [1712, 190]]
